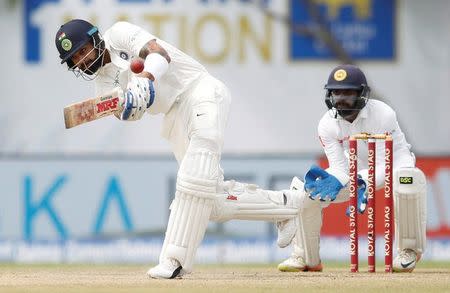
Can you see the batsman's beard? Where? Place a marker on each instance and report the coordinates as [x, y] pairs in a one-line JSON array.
[[98, 62]]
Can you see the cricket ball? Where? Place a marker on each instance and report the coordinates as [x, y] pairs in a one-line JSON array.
[[137, 65]]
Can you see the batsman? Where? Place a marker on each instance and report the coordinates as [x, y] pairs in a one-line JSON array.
[[195, 108], [350, 112]]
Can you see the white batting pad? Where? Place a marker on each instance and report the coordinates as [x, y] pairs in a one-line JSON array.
[[191, 208], [248, 202], [307, 239], [410, 208]]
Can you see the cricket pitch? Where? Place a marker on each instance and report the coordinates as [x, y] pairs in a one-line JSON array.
[[428, 277]]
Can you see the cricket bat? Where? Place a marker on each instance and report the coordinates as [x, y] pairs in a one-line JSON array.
[[93, 108]]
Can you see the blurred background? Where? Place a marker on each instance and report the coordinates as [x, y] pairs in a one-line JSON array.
[[100, 192]]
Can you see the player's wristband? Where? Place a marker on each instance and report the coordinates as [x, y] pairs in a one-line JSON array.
[[156, 64]]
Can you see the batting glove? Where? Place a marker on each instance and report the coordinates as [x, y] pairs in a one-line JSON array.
[[138, 97]]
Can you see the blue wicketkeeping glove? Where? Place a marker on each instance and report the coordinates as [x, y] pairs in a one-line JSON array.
[[362, 197], [320, 184]]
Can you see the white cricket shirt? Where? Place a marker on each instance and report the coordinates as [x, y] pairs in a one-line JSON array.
[[376, 118], [124, 41]]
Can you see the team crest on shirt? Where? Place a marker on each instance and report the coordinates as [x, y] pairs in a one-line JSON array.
[[123, 55], [340, 75]]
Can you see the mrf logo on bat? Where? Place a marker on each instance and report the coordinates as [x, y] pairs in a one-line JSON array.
[[108, 103]]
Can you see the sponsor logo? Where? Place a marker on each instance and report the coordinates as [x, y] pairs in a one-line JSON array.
[[406, 180], [123, 55], [405, 265], [107, 105], [232, 197], [106, 98], [364, 29]]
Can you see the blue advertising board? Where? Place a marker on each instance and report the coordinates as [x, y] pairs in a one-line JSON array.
[[364, 28]]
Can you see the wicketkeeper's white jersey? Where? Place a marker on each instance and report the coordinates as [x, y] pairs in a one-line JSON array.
[[376, 118], [124, 41]]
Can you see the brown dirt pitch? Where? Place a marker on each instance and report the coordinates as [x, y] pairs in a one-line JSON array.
[[428, 277]]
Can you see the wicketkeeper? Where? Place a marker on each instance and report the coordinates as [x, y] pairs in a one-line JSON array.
[[352, 112]]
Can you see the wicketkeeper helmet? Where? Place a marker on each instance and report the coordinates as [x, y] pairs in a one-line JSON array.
[[347, 77]]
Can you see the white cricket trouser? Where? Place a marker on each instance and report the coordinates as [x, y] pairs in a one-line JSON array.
[[195, 126]]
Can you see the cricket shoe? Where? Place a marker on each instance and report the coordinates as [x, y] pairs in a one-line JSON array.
[[169, 268], [298, 264], [406, 261], [286, 232], [288, 228]]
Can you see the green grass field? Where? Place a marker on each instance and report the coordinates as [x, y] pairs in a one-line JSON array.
[[428, 277]]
